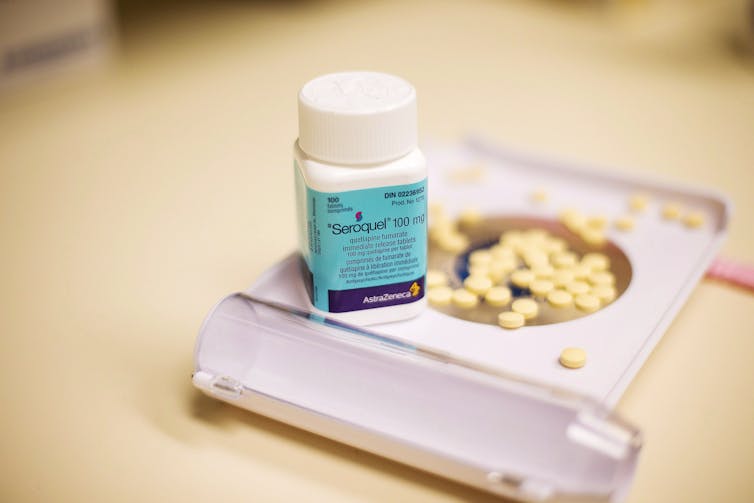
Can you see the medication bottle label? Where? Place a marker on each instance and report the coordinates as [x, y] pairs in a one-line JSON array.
[[365, 248]]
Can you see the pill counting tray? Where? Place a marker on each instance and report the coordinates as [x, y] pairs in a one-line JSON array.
[[283, 369], [666, 258]]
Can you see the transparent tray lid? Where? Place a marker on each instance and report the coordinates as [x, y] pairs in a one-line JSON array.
[[413, 404]]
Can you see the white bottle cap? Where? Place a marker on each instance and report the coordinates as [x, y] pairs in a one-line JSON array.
[[357, 118]]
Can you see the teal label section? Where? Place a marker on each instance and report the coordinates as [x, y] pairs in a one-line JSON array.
[[364, 248]]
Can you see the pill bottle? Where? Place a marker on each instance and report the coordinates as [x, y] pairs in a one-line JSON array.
[[361, 190]]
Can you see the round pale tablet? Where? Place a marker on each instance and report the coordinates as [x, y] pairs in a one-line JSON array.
[[596, 261], [573, 219], [464, 298], [477, 284], [564, 259], [624, 223], [671, 211], [544, 271], [523, 246], [555, 245], [470, 216], [511, 238], [527, 307], [479, 270], [522, 277], [502, 252], [593, 237], [586, 302], [436, 277], [453, 242], [694, 219], [562, 277], [539, 196], [498, 296], [440, 295], [638, 202], [580, 271], [598, 222], [606, 293], [540, 287], [602, 278], [497, 272], [578, 287], [482, 257], [572, 358], [535, 258], [559, 298], [509, 319], [536, 235]]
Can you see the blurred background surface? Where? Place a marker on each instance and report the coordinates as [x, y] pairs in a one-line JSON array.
[[145, 171]]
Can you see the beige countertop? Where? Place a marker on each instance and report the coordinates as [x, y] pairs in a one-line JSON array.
[[134, 198]]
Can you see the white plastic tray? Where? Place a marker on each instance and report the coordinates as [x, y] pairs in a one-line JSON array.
[[667, 258]]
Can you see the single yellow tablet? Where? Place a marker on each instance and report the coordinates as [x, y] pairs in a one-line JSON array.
[[498, 296], [586, 302], [477, 284], [625, 223], [562, 277], [671, 211], [453, 242], [573, 358], [593, 237], [536, 235], [693, 219], [510, 320], [543, 271], [596, 261], [606, 293], [497, 272], [564, 259], [638, 202], [465, 299], [539, 196], [470, 216], [541, 287], [559, 298], [502, 252], [573, 219], [481, 257], [602, 278], [554, 245], [580, 271], [527, 307], [440, 295], [479, 270], [578, 287], [436, 277], [511, 238], [522, 277], [535, 258], [598, 222]]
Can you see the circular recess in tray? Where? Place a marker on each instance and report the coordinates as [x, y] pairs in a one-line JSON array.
[[487, 232]]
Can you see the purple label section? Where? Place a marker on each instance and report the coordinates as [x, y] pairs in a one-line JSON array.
[[342, 301]]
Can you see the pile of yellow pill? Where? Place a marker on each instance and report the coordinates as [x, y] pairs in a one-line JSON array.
[[524, 271]]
